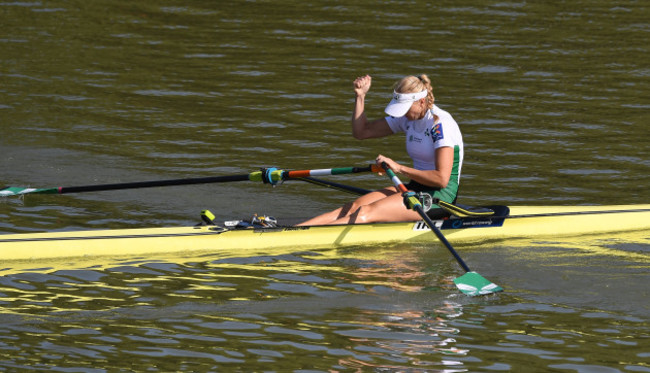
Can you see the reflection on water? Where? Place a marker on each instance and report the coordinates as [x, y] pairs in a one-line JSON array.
[[390, 309], [233, 311]]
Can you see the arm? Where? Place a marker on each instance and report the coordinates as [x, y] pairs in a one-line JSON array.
[[361, 127], [438, 178]]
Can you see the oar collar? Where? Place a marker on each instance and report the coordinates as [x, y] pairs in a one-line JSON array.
[[271, 175]]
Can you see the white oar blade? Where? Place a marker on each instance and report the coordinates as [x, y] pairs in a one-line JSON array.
[[473, 284]]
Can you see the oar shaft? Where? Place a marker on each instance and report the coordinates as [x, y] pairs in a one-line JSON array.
[[417, 206], [346, 188], [155, 183], [272, 176], [440, 236]]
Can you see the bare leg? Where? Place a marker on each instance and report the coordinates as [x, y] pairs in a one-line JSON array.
[[350, 208], [386, 209]]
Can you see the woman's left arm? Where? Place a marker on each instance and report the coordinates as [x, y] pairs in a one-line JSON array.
[[438, 178]]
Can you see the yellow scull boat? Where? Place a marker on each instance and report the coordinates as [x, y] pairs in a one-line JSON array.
[[507, 223]]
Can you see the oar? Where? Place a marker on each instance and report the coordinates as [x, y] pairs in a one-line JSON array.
[[333, 185], [471, 283], [456, 210], [268, 175]]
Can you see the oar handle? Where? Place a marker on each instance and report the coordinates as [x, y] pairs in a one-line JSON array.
[[330, 171], [273, 175]]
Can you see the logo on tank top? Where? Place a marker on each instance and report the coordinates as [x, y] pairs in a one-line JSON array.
[[436, 132], [415, 139]]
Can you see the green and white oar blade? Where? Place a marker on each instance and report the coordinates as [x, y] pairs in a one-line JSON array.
[[18, 191], [472, 284]]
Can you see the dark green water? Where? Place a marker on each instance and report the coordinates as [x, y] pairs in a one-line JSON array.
[[552, 99]]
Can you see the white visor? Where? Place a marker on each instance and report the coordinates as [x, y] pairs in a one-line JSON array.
[[401, 103]]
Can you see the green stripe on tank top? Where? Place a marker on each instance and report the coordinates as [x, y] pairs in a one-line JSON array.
[[448, 194]]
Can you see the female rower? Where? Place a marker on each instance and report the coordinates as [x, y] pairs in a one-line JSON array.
[[433, 141]]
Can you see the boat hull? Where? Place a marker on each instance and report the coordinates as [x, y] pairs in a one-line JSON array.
[[521, 222]]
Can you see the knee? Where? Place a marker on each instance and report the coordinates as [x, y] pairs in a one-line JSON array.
[[348, 208], [363, 214]]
